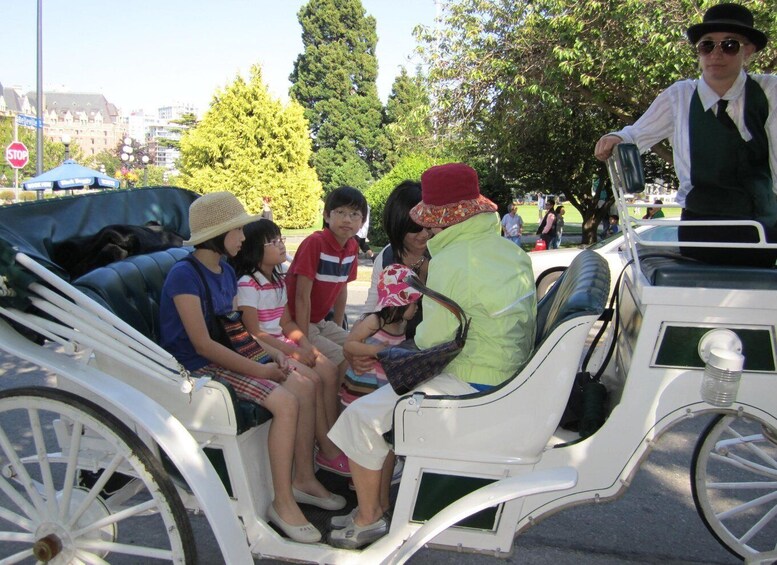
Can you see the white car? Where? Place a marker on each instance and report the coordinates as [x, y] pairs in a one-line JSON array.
[[548, 265]]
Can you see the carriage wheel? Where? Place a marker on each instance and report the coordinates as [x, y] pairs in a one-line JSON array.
[[734, 483], [50, 439], [547, 279]]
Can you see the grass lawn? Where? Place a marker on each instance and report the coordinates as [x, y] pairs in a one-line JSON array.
[[572, 218]]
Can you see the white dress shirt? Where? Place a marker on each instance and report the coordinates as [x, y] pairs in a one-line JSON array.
[[668, 118]]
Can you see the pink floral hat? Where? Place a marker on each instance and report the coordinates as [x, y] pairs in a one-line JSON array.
[[450, 194], [392, 288]]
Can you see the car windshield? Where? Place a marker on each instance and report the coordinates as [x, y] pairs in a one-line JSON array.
[[650, 233]]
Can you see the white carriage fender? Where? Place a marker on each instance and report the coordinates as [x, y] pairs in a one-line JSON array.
[[162, 426], [559, 478]]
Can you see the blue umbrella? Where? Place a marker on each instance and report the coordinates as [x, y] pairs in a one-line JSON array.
[[70, 175]]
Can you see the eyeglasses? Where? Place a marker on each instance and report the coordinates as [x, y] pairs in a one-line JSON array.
[[727, 46], [277, 242], [343, 214]]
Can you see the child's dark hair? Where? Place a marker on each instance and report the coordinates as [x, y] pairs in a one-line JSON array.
[[346, 196], [390, 314], [250, 256], [214, 244]]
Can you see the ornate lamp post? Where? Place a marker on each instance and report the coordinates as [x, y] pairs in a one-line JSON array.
[[127, 155], [145, 169]]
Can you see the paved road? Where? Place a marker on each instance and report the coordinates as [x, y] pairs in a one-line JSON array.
[[653, 522]]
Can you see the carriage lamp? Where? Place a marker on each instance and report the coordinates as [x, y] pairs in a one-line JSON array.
[[721, 351], [722, 375]]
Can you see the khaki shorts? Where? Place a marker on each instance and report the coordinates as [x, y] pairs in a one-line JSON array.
[[328, 338]]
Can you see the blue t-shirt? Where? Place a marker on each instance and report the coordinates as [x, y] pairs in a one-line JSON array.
[[183, 279]]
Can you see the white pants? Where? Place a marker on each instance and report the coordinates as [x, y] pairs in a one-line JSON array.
[[359, 429]]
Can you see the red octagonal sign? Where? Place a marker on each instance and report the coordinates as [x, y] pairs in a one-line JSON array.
[[17, 155]]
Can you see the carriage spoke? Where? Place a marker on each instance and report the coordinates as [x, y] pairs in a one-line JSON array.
[[71, 468], [126, 549], [730, 459], [43, 462], [16, 557], [38, 506], [94, 492], [116, 517]]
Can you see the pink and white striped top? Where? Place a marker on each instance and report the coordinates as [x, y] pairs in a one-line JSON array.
[[269, 299]]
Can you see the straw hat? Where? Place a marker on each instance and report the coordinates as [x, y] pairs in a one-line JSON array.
[[728, 17], [215, 213], [450, 194]]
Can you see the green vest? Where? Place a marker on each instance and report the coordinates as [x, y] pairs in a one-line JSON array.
[[730, 176]]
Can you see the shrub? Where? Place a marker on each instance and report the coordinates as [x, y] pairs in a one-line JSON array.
[[408, 168]]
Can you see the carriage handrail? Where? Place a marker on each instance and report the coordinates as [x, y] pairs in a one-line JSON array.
[[97, 310], [625, 170]]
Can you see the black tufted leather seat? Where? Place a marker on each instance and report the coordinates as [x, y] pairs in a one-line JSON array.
[[582, 290], [132, 288]]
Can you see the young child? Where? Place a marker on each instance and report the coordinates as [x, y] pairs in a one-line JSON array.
[[323, 265], [397, 303], [216, 223], [261, 297]]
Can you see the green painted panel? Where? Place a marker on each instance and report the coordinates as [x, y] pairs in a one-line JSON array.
[[438, 491], [679, 347]]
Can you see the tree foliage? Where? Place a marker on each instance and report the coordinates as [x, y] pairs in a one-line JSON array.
[[334, 80], [177, 127], [409, 167], [408, 120], [532, 84], [253, 146]]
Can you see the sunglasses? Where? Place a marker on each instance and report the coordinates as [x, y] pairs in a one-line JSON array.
[[727, 46]]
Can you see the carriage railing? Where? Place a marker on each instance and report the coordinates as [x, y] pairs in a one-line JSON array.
[[82, 326], [626, 174]]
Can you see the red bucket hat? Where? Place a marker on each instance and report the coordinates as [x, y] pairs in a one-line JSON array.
[[450, 194]]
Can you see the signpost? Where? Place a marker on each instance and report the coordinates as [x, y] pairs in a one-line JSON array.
[[17, 155]]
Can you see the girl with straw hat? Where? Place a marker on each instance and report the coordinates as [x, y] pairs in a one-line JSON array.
[[216, 223]]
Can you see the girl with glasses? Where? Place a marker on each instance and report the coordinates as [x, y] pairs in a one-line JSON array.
[[723, 130], [262, 298]]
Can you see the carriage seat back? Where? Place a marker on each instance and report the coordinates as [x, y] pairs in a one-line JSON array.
[[582, 290], [132, 289]]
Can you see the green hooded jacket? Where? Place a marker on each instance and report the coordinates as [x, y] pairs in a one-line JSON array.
[[492, 280]]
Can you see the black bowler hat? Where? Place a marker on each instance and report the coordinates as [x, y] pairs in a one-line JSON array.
[[728, 17]]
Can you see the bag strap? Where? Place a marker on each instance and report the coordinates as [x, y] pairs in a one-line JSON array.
[[198, 269], [415, 281], [606, 317]]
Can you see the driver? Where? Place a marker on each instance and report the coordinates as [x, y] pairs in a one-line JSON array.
[[723, 130]]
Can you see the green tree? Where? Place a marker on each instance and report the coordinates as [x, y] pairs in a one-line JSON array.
[[408, 120], [409, 167], [185, 122], [253, 146], [334, 80], [532, 84]]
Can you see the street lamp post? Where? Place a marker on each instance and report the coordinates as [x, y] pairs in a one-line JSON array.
[[127, 155], [145, 169], [66, 140]]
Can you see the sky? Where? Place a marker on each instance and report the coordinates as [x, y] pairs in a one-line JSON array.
[[150, 53]]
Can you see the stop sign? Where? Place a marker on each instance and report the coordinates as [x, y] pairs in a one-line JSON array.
[[17, 155]]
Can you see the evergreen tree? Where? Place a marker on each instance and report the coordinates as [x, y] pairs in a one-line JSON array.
[[408, 117], [186, 121], [253, 146], [334, 80]]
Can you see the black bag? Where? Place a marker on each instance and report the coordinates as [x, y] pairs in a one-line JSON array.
[[586, 409], [405, 365], [228, 329]]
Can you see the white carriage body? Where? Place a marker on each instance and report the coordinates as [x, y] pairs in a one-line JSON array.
[[499, 457]]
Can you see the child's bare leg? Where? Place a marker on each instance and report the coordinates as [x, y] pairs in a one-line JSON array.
[[328, 372], [385, 481]]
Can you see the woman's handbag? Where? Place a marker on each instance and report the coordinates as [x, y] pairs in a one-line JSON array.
[[405, 365], [228, 329]]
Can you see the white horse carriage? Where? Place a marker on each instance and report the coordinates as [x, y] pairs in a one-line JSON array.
[[125, 441]]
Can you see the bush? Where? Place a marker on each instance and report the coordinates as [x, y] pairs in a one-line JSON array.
[[27, 195], [408, 168], [7, 196]]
